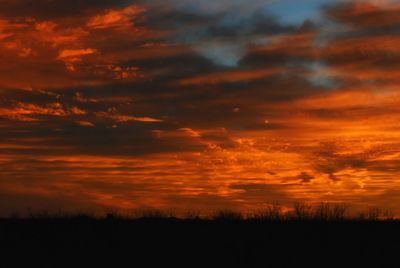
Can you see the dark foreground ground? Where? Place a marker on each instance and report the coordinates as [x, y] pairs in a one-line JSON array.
[[85, 242]]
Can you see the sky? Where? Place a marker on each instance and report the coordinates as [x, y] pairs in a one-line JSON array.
[[195, 105]]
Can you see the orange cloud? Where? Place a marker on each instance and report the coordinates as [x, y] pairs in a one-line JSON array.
[[127, 118], [300, 44], [44, 43], [71, 56], [80, 98], [191, 132], [230, 77], [75, 53], [281, 140], [122, 18], [57, 36], [113, 115], [373, 46], [374, 14], [85, 123], [29, 112]]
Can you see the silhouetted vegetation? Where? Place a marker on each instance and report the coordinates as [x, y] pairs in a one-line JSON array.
[[326, 235], [274, 212]]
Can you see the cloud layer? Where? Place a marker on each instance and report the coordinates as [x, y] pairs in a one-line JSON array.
[[198, 105]]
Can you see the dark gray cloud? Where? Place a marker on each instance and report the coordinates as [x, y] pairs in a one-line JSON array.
[[221, 32], [56, 9]]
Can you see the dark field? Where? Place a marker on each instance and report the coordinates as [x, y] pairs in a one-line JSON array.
[[220, 242]]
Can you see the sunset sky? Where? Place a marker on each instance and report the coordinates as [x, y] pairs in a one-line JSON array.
[[198, 105]]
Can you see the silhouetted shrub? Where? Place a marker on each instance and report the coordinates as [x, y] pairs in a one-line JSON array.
[[272, 212], [154, 214], [299, 212], [227, 215], [329, 212], [302, 211]]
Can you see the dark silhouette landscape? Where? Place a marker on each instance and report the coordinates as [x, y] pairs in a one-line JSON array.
[[321, 236]]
